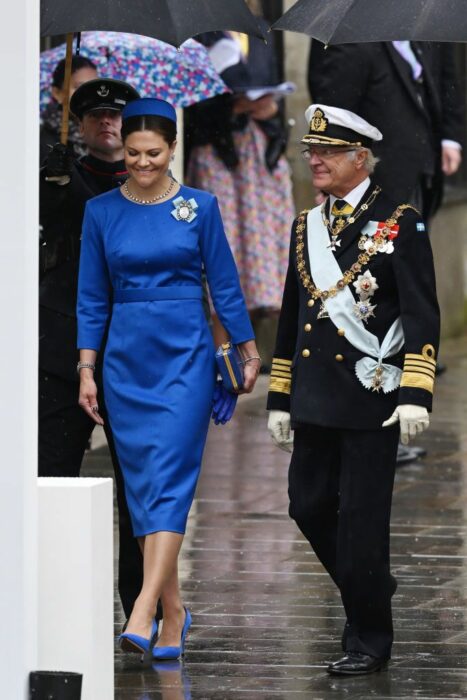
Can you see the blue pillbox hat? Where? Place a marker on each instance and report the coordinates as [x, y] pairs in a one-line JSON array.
[[149, 106]]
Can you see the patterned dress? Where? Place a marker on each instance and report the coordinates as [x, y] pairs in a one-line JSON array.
[[257, 209]]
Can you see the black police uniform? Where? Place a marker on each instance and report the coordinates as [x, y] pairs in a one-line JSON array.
[[342, 469], [64, 428]]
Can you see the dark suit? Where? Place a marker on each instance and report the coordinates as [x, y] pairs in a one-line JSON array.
[[342, 469], [64, 428], [374, 81]]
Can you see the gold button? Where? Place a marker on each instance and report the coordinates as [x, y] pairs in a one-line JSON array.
[[311, 302], [341, 331], [308, 327], [306, 353], [339, 358]]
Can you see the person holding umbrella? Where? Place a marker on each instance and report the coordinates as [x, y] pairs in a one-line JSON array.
[[354, 365], [143, 249], [65, 187], [82, 70]]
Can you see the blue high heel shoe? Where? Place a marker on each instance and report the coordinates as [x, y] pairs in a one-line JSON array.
[[135, 644], [173, 653]]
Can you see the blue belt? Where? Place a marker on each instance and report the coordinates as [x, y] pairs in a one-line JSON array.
[[157, 294]]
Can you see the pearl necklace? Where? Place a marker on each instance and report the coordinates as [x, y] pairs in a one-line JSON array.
[[148, 201]]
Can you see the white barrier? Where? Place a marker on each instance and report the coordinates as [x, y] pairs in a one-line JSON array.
[[75, 559]]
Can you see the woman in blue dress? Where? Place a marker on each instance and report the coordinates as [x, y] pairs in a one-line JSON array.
[[142, 252]]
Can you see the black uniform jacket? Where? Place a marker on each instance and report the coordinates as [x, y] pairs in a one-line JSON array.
[[375, 82], [313, 373], [61, 215]]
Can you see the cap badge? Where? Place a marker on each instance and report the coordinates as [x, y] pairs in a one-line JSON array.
[[103, 91], [185, 210], [318, 121]]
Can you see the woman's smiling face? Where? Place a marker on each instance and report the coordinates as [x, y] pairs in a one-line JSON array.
[[147, 158]]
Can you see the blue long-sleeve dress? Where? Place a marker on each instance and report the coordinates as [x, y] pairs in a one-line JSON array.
[[140, 275]]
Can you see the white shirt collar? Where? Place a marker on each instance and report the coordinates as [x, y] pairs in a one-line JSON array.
[[354, 196]]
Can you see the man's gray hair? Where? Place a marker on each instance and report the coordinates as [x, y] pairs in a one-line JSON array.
[[371, 161]]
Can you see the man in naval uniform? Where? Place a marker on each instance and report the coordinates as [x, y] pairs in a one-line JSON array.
[[353, 367]]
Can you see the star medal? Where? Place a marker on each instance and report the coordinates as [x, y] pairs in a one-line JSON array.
[[363, 310], [377, 381], [365, 286], [185, 209]]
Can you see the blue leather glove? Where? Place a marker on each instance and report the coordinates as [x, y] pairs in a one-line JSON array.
[[223, 404]]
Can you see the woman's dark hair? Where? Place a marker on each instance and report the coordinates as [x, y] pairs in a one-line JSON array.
[[77, 62], [160, 125]]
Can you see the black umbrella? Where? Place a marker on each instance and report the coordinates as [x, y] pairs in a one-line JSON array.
[[172, 21], [351, 21]]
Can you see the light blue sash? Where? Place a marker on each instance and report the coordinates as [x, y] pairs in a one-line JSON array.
[[326, 272]]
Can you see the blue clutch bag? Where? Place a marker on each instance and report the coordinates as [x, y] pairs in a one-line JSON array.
[[230, 366]]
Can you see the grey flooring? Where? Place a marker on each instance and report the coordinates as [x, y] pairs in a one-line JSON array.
[[267, 619]]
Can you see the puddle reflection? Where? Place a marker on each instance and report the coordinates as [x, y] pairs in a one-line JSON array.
[[174, 681]]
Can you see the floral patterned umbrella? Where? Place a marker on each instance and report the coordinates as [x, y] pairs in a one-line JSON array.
[[180, 76]]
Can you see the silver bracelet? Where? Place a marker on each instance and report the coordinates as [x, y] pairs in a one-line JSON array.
[[85, 365], [248, 359]]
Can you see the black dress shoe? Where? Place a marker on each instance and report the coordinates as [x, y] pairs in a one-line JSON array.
[[406, 454], [418, 451], [355, 663]]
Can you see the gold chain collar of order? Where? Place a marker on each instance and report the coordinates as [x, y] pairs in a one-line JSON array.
[[349, 275], [340, 223]]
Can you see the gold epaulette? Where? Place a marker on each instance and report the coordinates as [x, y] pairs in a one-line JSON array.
[[281, 375], [419, 370]]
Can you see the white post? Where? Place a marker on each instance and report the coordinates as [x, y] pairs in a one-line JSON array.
[[76, 600], [19, 58]]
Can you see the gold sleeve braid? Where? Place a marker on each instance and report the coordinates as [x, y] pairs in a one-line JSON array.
[[281, 375], [419, 370]]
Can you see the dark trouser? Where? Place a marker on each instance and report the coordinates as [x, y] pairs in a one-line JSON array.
[[340, 490], [64, 433]]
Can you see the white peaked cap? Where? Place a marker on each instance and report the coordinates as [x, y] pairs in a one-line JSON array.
[[336, 126]]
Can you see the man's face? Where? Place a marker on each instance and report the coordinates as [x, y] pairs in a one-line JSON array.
[[333, 170], [100, 130]]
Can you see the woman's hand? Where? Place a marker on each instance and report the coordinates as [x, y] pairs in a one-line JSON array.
[[251, 364], [242, 105], [250, 375], [264, 108], [88, 396]]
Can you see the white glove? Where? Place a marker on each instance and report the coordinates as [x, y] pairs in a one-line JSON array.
[[412, 419], [279, 429]]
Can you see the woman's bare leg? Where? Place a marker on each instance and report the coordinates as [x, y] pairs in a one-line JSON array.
[[160, 553], [174, 614]]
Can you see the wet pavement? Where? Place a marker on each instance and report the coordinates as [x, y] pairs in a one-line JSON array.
[[266, 617]]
